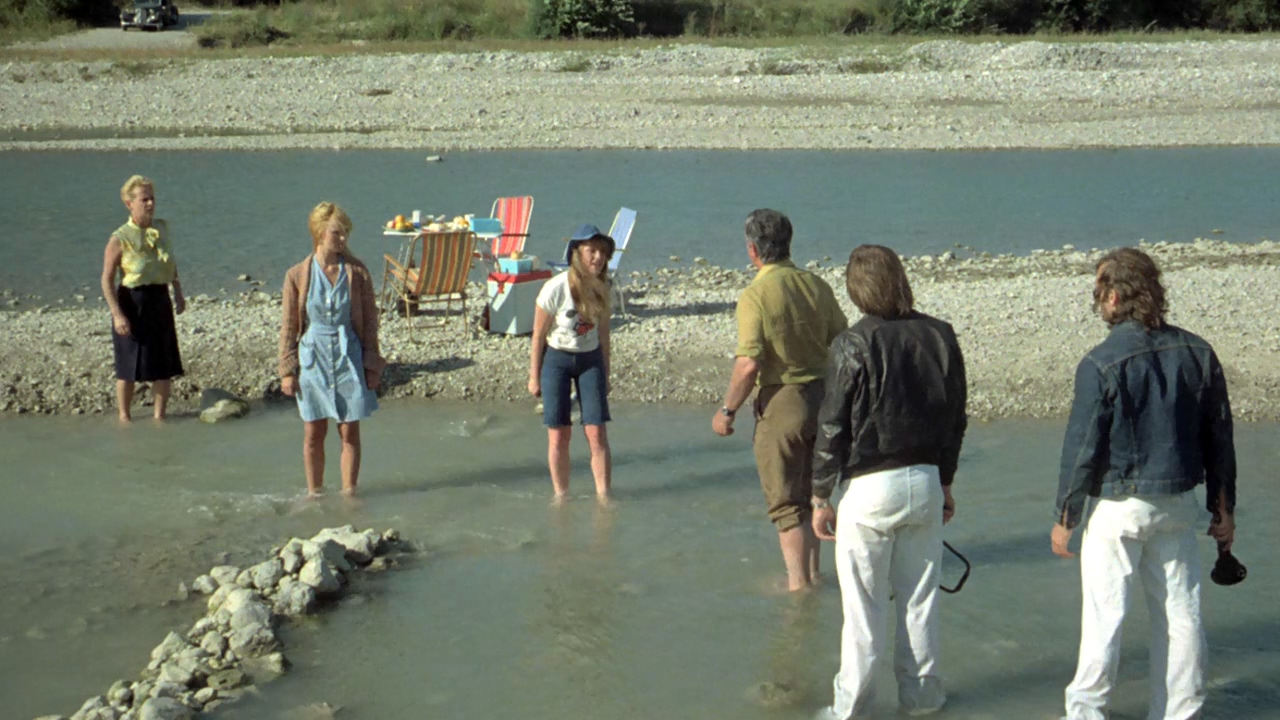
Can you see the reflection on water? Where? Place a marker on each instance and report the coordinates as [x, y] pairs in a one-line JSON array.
[[573, 629], [659, 607]]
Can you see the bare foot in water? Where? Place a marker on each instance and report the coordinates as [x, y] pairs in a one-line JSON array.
[[124, 419], [559, 500], [304, 503]]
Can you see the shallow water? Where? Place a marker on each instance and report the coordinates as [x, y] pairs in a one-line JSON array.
[[665, 607], [245, 212]]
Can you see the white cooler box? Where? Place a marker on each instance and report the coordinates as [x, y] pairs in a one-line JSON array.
[[512, 299]]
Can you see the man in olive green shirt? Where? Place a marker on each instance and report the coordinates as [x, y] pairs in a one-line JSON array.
[[787, 317]]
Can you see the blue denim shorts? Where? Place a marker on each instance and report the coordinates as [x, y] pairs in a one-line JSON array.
[[562, 370]]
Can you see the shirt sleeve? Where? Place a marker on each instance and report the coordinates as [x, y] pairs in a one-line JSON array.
[[1217, 442], [834, 441], [1086, 451], [958, 393], [750, 328], [838, 322], [549, 296]]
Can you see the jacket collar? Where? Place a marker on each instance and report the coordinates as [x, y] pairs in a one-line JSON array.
[[1129, 326], [770, 266]]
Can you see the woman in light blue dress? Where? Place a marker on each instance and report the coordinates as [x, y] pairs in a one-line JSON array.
[[329, 356]]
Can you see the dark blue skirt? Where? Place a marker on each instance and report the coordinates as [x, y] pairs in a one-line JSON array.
[[150, 351]]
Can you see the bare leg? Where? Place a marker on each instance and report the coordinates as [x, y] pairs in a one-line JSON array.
[[313, 434], [601, 460], [558, 460], [124, 398], [350, 434], [160, 391], [795, 554]]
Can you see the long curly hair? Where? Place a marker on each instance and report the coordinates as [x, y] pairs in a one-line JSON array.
[[1135, 278]]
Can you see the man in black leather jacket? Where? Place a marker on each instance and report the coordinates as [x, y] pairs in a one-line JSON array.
[[1150, 421], [891, 424]]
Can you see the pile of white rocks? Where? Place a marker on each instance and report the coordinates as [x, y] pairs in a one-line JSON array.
[[236, 644]]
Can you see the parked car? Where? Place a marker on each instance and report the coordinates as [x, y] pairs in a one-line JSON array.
[[149, 15]]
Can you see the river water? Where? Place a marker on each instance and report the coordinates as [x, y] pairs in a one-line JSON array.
[[665, 607], [245, 212]]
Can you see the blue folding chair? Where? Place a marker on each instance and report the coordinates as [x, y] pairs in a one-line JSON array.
[[623, 223]]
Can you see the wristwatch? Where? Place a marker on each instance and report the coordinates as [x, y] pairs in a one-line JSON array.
[[725, 411], [820, 503]]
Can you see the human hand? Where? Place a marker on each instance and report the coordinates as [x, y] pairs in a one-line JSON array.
[[121, 325], [535, 387], [1223, 529], [179, 301], [948, 505], [289, 385], [372, 379], [722, 424], [1058, 540], [824, 523]]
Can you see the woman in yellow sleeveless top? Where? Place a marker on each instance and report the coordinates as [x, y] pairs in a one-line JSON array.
[[143, 335]]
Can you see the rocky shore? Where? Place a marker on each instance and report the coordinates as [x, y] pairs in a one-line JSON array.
[[1024, 323], [934, 95], [236, 644]]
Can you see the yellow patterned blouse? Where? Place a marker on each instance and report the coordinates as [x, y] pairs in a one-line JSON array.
[[147, 259]]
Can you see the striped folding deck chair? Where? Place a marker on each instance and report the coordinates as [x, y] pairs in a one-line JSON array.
[[515, 213], [440, 277]]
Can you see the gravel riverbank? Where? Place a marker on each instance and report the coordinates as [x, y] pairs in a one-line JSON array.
[[1024, 323], [933, 95]]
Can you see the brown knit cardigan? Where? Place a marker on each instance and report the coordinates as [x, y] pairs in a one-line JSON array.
[[364, 314]]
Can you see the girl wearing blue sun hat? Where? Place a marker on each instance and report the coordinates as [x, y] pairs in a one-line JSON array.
[[571, 349]]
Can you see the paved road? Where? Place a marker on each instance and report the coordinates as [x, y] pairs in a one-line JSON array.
[[113, 38]]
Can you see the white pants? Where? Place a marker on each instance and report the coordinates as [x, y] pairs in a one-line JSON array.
[[889, 542], [1151, 537]]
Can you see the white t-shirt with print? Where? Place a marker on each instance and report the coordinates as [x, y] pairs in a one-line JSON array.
[[568, 331]]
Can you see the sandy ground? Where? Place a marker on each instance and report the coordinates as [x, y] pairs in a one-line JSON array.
[[934, 95]]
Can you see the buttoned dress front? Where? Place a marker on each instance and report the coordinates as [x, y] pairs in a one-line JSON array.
[[331, 382]]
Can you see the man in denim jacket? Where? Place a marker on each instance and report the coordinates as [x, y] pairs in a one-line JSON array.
[[1150, 421]]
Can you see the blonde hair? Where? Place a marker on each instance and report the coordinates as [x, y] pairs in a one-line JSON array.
[[590, 292], [320, 218], [132, 184]]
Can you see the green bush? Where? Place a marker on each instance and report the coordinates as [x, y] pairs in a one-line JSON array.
[[29, 13], [937, 16], [1241, 15], [240, 30], [582, 18]]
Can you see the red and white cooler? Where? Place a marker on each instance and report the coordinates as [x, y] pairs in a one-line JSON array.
[[512, 299]]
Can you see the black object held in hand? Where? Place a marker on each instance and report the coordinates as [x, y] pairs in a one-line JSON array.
[[1227, 570], [963, 578]]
